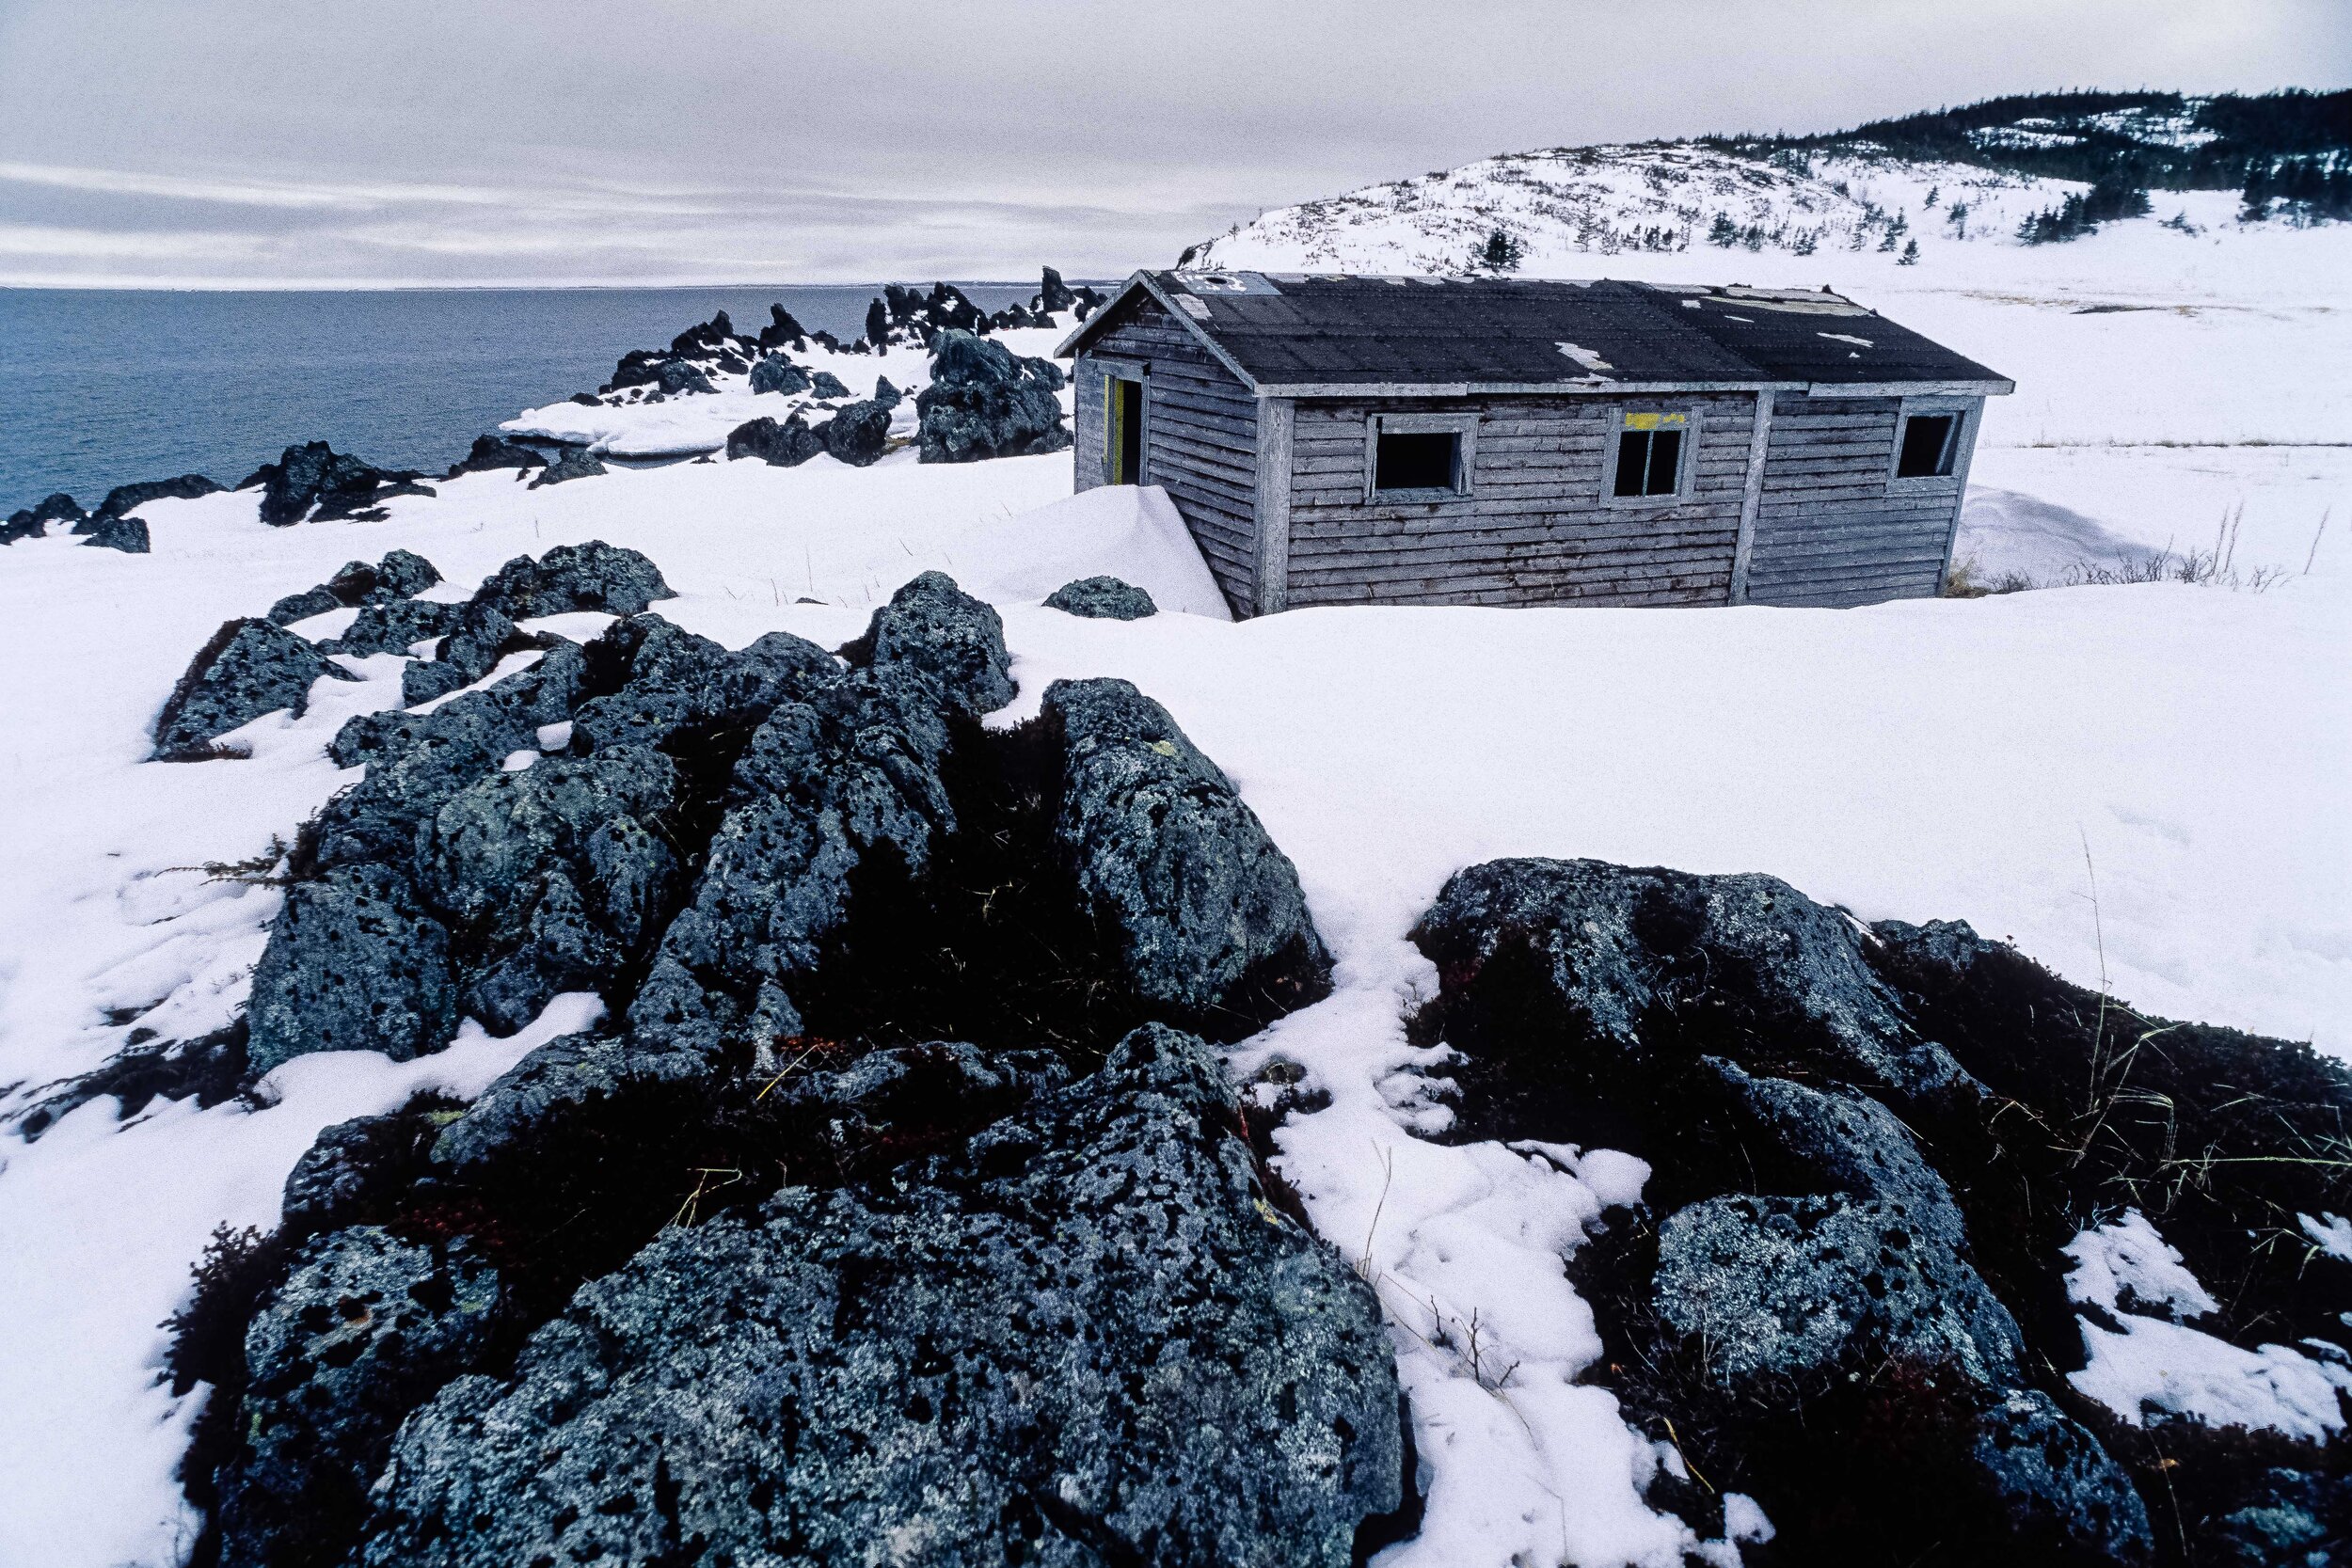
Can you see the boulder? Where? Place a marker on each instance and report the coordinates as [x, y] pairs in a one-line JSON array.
[[885, 394], [1085, 1338], [553, 878], [824, 384], [782, 332], [351, 1172], [302, 606], [481, 635], [1174, 867], [1053, 293], [984, 403], [877, 326], [355, 962], [127, 534], [676, 377], [124, 500], [2050, 1492], [944, 633], [315, 482], [391, 628], [1102, 600], [588, 576], [363, 1329], [786, 445], [2295, 1519], [775, 374], [402, 574], [857, 433], [669, 686], [250, 668], [491, 453], [32, 521], [570, 463]]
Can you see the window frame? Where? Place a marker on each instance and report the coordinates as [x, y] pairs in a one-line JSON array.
[[1686, 465], [1963, 412], [1463, 427]]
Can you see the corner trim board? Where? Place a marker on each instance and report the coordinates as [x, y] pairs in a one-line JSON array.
[[1277, 418], [1752, 501]]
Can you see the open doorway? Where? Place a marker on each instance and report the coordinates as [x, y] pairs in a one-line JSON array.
[[1123, 432]]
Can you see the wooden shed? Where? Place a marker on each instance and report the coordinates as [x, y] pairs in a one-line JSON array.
[[1337, 439]]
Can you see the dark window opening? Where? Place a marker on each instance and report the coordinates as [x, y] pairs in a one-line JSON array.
[[1927, 446], [1418, 461], [1650, 462], [1126, 432]]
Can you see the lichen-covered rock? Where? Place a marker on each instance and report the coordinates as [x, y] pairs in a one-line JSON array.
[[982, 401], [2053, 1493], [553, 876], [936, 629], [826, 385], [127, 534], [302, 606], [355, 962], [1102, 600], [1799, 1139], [570, 463], [250, 668], [668, 680], [1606, 947], [315, 482], [123, 500], [677, 377], [777, 374], [1086, 1339], [365, 1328], [1204, 910], [32, 522], [395, 628], [1797, 1289], [352, 1169], [2297, 1519], [589, 575], [857, 433], [481, 634], [492, 452], [784, 446], [885, 394], [399, 576]]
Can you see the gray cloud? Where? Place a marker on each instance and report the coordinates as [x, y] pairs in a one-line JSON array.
[[220, 141]]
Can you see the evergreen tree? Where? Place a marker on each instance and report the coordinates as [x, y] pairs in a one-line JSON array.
[[1723, 231], [1501, 252], [1910, 257]]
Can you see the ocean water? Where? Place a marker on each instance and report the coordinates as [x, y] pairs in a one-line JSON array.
[[99, 387]]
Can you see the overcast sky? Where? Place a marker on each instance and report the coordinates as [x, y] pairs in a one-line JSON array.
[[662, 141]]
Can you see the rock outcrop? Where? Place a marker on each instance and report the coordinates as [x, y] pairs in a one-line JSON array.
[[777, 374], [396, 577], [1102, 600], [127, 534], [858, 432], [786, 445], [570, 463], [250, 668], [983, 402], [316, 483], [123, 500], [492, 452], [32, 522]]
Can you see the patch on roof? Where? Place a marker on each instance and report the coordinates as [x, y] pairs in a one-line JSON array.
[[1192, 307], [1227, 282], [1586, 357], [1845, 337], [1802, 302]]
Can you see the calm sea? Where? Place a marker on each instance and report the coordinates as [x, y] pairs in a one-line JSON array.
[[99, 387]]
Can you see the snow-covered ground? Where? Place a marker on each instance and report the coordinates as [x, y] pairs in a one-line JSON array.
[[1922, 759]]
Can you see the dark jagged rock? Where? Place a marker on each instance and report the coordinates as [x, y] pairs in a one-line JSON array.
[[302, 606], [317, 484], [824, 384], [364, 1327], [1052, 293], [127, 534], [32, 521], [2051, 1492], [1102, 600], [942, 632], [570, 463], [392, 628], [964, 1364], [786, 446], [592, 576], [877, 324], [354, 963], [712, 337], [586, 400], [400, 575], [1089, 300], [675, 681], [984, 403], [555, 877], [123, 500], [481, 636], [354, 1167], [248, 669], [857, 433], [490, 453], [676, 377], [1802, 1290], [775, 374], [1206, 912], [885, 394], [782, 330]]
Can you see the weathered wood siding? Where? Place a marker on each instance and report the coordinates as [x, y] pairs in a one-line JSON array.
[[1199, 432], [1536, 527], [1833, 528]]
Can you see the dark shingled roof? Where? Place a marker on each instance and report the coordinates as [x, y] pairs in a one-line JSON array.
[[1318, 330]]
